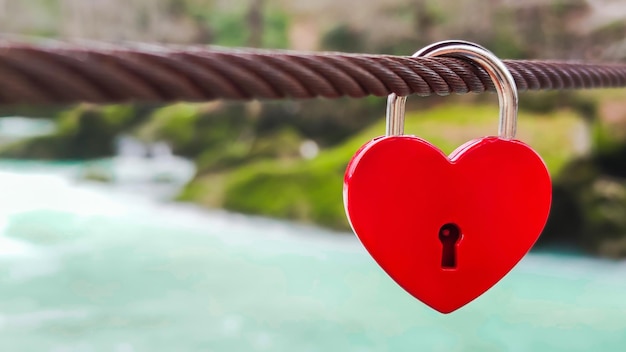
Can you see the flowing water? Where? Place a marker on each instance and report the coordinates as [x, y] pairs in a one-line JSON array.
[[86, 267]]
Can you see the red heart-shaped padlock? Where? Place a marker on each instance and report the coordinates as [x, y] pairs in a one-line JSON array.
[[447, 229]]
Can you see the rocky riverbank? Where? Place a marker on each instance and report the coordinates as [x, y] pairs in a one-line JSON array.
[[287, 160]]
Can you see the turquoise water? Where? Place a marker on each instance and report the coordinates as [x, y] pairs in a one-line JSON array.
[[98, 268]]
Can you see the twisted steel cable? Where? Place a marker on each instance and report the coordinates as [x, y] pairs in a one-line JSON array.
[[52, 74]]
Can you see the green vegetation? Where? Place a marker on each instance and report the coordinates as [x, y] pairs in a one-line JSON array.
[[310, 191], [248, 155], [591, 197], [87, 131], [193, 128], [344, 38]]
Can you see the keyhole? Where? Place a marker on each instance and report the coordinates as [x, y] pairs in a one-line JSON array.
[[449, 235]]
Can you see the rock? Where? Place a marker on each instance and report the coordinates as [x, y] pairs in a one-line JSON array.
[[603, 208], [84, 132], [589, 209], [97, 174], [192, 128]]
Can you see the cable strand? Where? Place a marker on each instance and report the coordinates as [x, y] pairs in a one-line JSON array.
[[69, 74]]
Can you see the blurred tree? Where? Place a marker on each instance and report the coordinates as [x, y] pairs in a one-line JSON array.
[[608, 41], [255, 23], [344, 38], [425, 21]]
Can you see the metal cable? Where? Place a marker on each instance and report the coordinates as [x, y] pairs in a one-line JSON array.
[[51, 74]]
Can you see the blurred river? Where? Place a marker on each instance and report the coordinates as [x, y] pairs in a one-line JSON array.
[[88, 267]]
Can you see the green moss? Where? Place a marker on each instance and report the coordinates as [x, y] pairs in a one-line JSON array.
[[41, 148], [311, 191], [281, 144], [85, 131], [174, 123], [193, 128], [305, 194], [448, 127], [207, 190]]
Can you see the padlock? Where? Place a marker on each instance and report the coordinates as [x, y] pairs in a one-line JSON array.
[[448, 228]]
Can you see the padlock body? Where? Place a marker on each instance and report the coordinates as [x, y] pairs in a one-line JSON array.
[[399, 191]]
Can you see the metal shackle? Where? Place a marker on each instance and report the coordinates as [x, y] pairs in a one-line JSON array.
[[499, 74]]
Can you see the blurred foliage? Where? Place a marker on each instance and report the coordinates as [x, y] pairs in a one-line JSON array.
[[310, 191], [513, 29], [326, 121], [228, 31], [504, 42], [248, 155], [590, 197], [87, 131], [546, 102], [217, 135], [565, 7], [192, 128], [238, 26], [344, 38], [305, 193]]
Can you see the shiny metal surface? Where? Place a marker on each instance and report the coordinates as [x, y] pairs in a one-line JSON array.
[[502, 78]]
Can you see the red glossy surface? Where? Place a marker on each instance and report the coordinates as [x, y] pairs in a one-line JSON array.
[[399, 191]]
